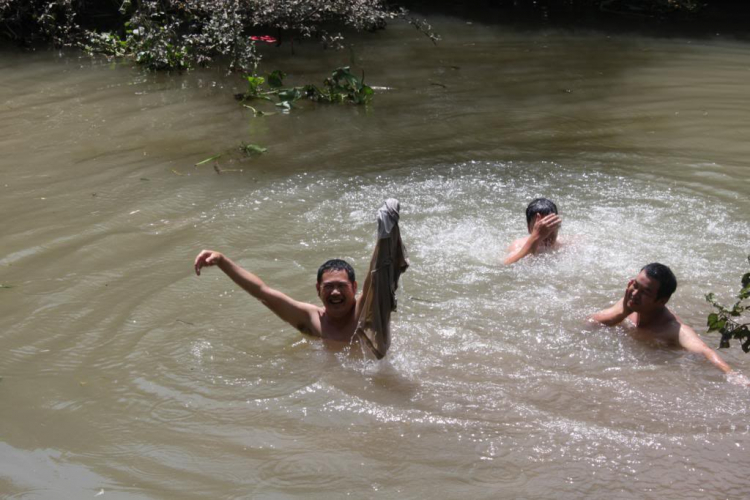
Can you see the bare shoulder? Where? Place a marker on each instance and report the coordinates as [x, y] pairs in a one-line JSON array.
[[312, 325], [686, 332], [676, 322], [671, 328], [565, 242]]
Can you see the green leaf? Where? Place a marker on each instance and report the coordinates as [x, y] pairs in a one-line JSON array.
[[312, 92], [724, 343], [713, 318], [719, 325], [214, 157], [253, 85], [253, 149], [746, 280], [5, 286], [344, 77], [276, 78]]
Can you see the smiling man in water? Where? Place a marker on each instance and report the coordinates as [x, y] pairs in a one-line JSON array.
[[645, 307], [543, 224], [336, 286]]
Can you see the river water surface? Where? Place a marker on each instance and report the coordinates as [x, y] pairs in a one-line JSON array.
[[126, 376]]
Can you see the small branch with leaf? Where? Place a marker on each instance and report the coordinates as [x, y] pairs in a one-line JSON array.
[[239, 154], [342, 86], [728, 321]]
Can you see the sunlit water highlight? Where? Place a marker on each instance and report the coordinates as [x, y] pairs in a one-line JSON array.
[[123, 373]]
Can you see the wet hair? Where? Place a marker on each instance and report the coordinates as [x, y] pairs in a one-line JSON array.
[[665, 277], [541, 206], [336, 265]]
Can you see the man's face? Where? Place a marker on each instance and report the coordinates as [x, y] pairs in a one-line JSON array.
[[643, 294], [337, 293]]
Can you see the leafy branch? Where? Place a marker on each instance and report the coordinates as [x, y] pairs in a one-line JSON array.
[[728, 321], [233, 155], [341, 86]]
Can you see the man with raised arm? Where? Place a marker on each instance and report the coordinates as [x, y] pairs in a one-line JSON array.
[[645, 306], [336, 287], [343, 314], [543, 224]]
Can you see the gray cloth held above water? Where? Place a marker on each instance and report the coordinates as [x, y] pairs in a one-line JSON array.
[[379, 291]]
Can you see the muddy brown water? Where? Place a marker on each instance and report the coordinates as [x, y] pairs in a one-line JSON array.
[[126, 376]]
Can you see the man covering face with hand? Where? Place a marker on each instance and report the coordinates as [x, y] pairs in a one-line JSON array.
[[543, 224]]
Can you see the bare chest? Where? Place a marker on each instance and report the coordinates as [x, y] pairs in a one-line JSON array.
[[662, 333]]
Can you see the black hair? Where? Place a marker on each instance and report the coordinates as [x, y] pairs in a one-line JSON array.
[[541, 206], [665, 277], [336, 265]]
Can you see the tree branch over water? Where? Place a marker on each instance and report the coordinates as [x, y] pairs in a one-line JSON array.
[[179, 34], [728, 321]]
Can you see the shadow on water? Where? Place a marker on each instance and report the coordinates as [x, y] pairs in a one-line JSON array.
[[644, 17]]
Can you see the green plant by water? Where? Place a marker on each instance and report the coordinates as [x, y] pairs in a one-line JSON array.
[[179, 34], [342, 86], [729, 321]]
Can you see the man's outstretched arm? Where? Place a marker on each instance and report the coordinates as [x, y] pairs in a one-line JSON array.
[[298, 314], [618, 312], [690, 341]]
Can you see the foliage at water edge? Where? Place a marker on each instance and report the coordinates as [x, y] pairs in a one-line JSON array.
[[728, 321], [179, 34]]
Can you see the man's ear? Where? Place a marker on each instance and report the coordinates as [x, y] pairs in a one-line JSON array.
[[317, 288], [354, 285]]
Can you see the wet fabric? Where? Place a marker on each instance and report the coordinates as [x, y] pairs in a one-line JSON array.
[[378, 299]]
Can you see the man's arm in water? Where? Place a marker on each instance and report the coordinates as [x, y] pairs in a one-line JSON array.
[[298, 314], [617, 313], [690, 341], [543, 227]]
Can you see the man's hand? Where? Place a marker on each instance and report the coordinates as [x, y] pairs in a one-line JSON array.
[[738, 379], [542, 233], [628, 296], [545, 226], [616, 313], [207, 258]]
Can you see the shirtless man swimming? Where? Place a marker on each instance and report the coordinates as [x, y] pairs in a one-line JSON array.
[[336, 287], [543, 224], [644, 305]]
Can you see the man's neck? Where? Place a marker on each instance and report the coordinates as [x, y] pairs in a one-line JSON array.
[[339, 327], [341, 321], [644, 320]]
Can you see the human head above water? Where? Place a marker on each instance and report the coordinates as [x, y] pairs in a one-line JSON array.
[[665, 277], [541, 206], [336, 265]]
